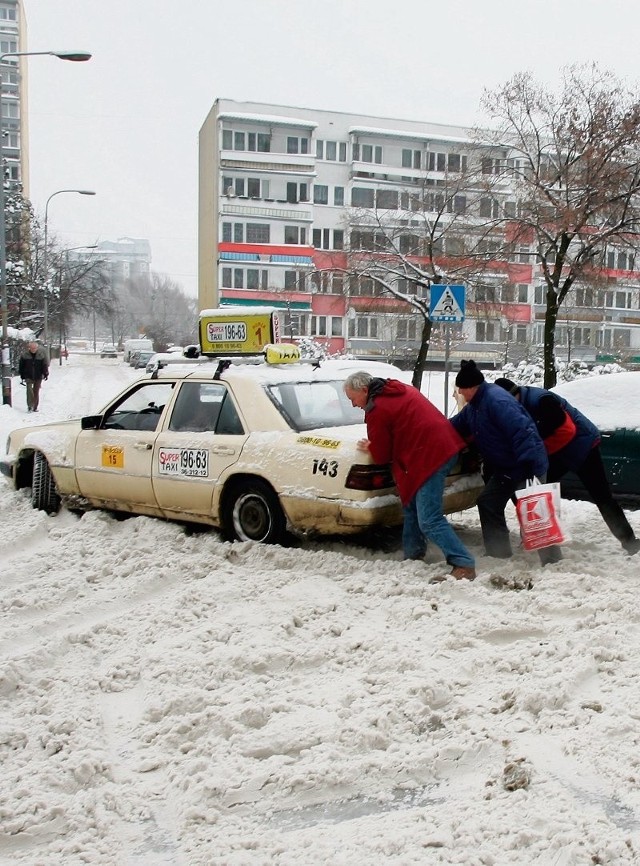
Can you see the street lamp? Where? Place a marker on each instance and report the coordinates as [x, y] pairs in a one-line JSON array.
[[76, 57], [45, 330]]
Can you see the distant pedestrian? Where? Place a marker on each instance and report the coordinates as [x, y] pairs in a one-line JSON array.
[[573, 445], [512, 451], [410, 433], [33, 367]]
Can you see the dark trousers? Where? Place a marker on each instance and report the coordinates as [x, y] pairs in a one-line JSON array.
[[33, 393], [495, 532], [593, 476]]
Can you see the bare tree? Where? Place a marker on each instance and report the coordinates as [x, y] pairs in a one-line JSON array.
[[572, 159], [431, 233]]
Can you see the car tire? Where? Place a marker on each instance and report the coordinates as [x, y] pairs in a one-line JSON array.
[[254, 513], [43, 488]]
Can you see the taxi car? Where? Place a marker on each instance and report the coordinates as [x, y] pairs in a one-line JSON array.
[[255, 450]]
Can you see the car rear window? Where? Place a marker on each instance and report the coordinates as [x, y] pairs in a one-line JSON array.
[[308, 405]]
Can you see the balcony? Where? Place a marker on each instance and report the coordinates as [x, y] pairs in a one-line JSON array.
[[274, 163]]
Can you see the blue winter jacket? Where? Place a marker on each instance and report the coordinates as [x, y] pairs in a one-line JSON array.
[[503, 432], [539, 404]]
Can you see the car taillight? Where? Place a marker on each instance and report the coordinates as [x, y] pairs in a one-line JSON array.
[[369, 477]]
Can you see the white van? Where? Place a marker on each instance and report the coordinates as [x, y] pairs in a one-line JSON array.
[[141, 344]]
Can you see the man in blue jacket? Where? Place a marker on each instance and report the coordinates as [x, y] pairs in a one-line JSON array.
[[573, 444], [513, 452]]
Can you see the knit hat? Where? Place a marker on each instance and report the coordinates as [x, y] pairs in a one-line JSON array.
[[508, 385], [469, 375]]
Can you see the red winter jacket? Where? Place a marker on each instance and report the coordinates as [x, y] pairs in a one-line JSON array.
[[409, 432]]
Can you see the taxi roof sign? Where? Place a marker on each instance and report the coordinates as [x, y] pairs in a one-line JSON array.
[[234, 331]]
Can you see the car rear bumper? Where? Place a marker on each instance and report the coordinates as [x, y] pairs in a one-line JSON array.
[[329, 517]]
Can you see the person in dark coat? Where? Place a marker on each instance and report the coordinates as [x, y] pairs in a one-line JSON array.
[[573, 445], [506, 437], [33, 367], [407, 431]]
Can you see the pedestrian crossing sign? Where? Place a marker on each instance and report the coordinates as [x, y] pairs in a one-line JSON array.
[[447, 303]]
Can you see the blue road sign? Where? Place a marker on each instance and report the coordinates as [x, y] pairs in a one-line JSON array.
[[447, 303]]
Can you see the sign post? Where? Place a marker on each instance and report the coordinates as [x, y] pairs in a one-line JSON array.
[[447, 304]]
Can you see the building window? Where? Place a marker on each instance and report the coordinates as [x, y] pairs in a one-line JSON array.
[[387, 198], [361, 197], [295, 235], [336, 326], [320, 194], [406, 329], [331, 150], [319, 149], [371, 153], [485, 332], [238, 140], [238, 278], [436, 161], [238, 233], [297, 145], [226, 277], [239, 186], [342, 151], [338, 196], [226, 232], [321, 239], [258, 233], [338, 239], [319, 326], [523, 293]]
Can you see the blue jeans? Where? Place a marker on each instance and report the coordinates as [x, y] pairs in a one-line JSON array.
[[424, 521]]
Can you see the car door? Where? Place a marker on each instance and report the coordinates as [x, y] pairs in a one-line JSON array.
[[113, 462], [204, 436]]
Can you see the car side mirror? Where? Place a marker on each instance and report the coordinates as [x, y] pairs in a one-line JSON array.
[[91, 422]]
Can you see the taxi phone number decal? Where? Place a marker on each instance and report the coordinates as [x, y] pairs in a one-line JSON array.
[[192, 462]]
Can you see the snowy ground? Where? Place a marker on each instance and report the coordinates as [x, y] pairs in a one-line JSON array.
[[168, 699]]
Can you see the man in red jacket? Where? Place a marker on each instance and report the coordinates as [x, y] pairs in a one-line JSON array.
[[411, 434]]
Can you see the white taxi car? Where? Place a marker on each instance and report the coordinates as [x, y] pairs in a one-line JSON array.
[[253, 449]]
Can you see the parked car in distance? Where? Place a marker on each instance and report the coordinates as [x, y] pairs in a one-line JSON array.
[[612, 402], [255, 449], [108, 350], [141, 359], [135, 345]]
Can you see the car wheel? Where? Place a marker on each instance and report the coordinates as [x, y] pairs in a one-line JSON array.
[[255, 514], [43, 488]]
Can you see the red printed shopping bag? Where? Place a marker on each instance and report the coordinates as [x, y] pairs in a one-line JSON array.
[[538, 510]]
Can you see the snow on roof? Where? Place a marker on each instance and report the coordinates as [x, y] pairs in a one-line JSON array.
[[405, 133], [272, 119], [610, 401]]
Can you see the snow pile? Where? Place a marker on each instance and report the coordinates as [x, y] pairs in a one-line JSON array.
[[170, 698]]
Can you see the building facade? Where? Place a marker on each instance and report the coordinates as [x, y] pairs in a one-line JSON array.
[[123, 259], [15, 152], [279, 190]]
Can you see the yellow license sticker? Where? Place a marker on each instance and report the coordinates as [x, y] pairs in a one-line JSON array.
[[113, 456], [318, 441]]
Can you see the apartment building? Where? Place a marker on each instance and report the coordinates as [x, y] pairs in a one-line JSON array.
[[278, 190], [13, 90], [123, 259]]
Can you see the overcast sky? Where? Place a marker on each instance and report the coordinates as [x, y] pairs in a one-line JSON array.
[[126, 123]]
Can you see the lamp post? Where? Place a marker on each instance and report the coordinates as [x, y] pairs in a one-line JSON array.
[[45, 329], [76, 57]]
